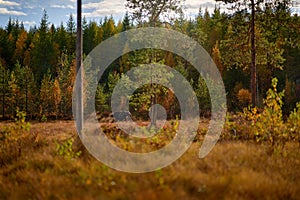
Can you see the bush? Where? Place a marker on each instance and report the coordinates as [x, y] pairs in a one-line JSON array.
[[265, 125], [14, 138], [66, 150], [293, 124], [244, 97], [269, 125], [21, 120], [237, 128]]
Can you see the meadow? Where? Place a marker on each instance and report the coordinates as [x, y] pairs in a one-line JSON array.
[[257, 155], [47, 161]]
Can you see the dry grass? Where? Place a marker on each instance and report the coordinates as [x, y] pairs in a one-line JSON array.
[[233, 170]]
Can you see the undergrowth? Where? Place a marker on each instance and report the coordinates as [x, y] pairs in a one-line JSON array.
[[265, 125]]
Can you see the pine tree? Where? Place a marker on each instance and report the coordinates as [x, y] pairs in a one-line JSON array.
[[63, 40], [151, 11], [71, 25], [14, 92], [126, 22], [66, 79], [109, 28], [90, 33], [56, 96], [20, 47], [46, 95], [4, 92], [101, 99], [44, 50], [71, 30]]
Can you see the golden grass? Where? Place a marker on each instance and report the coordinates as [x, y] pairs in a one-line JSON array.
[[233, 170]]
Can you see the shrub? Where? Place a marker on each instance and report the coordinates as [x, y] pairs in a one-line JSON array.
[[269, 125], [44, 118], [293, 124], [237, 128], [65, 149], [21, 120], [244, 97], [14, 138]]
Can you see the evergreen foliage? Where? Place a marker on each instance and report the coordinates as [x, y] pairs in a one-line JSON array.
[[38, 65]]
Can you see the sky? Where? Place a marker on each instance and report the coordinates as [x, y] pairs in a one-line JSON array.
[[31, 11]]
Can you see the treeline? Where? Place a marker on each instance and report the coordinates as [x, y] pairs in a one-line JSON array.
[[38, 65]]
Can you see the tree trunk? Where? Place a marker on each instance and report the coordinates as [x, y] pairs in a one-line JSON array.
[[3, 97], [79, 98], [26, 93], [253, 56]]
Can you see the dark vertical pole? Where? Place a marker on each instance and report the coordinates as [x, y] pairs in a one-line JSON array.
[[253, 56], [26, 93], [79, 69], [153, 88], [3, 92]]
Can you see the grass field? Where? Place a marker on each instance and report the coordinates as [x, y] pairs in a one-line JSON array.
[[32, 167]]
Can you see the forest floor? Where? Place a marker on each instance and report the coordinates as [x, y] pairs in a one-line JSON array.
[[40, 165]]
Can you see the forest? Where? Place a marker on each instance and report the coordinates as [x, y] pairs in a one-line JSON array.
[[39, 63], [256, 157]]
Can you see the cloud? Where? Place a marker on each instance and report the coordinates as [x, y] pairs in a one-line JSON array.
[[191, 7], [29, 6], [8, 3], [194, 5], [63, 6], [4, 11], [29, 23], [117, 7], [105, 8]]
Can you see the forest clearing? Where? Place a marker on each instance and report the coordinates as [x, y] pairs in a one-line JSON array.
[[237, 69], [41, 164]]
